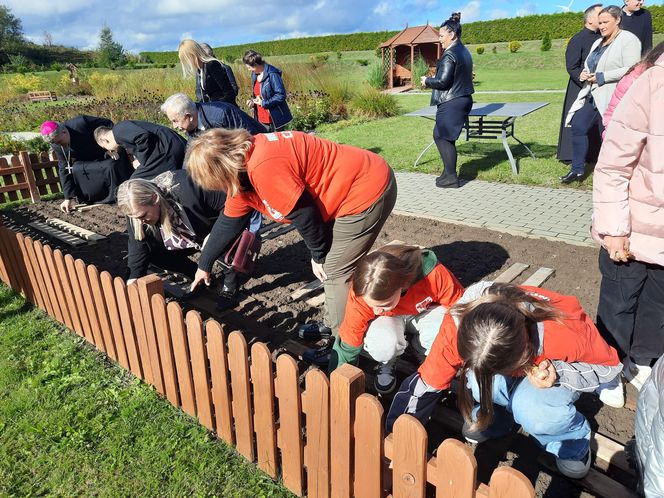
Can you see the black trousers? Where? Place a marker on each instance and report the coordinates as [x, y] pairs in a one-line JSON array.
[[630, 314]]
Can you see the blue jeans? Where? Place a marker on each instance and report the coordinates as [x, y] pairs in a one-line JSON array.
[[586, 120], [255, 221], [548, 415]]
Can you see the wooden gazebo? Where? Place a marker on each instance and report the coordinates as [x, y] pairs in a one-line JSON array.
[[399, 52]]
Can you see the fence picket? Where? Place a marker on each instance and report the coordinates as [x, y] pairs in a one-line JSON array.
[[221, 396], [4, 258], [57, 287], [35, 292], [163, 331], [136, 314], [88, 300], [262, 378], [316, 406], [102, 311], [20, 283], [29, 175], [68, 292], [409, 458], [239, 368], [346, 384], [456, 470], [181, 355], [199, 368], [114, 318], [368, 447], [54, 310], [507, 482], [147, 287], [78, 302], [128, 332]]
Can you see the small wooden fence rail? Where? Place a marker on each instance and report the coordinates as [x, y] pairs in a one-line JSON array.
[[28, 177], [324, 441]]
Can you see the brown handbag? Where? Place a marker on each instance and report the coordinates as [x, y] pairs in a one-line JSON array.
[[243, 253]]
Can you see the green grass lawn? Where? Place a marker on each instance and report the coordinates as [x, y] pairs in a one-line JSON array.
[[72, 424]]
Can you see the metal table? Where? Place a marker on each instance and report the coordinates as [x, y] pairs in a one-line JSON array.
[[489, 121]]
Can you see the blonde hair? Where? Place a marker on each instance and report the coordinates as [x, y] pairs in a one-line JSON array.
[[141, 192], [216, 158], [192, 57]]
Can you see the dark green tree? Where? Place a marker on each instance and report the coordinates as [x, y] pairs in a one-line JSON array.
[[546, 42], [109, 53], [11, 29]]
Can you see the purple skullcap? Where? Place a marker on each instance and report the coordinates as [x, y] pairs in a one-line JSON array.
[[48, 127]]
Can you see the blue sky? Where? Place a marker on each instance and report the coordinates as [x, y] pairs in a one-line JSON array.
[[160, 24]]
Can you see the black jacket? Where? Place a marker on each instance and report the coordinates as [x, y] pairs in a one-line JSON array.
[[639, 23], [202, 207], [215, 85], [454, 75], [83, 147], [157, 148], [224, 115]]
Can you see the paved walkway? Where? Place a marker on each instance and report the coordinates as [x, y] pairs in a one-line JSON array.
[[555, 214]]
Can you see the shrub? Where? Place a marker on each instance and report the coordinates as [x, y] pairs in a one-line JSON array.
[[56, 66], [363, 62], [309, 110], [9, 145], [104, 85], [494, 49], [339, 55], [514, 46], [377, 76], [420, 68], [480, 49], [23, 83], [318, 60], [373, 104], [546, 42]]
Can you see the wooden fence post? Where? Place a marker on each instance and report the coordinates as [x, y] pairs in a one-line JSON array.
[[346, 384], [199, 368], [57, 287], [368, 447], [139, 326], [54, 311], [238, 364], [289, 434], [128, 332], [182, 359], [68, 290], [34, 292], [221, 393], [33, 270], [262, 378], [410, 458], [29, 175], [88, 300], [19, 281], [147, 287], [78, 302], [165, 348], [102, 311], [114, 318], [456, 470], [316, 406], [507, 482]]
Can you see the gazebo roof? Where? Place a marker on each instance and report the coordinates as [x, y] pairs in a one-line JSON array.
[[413, 36]]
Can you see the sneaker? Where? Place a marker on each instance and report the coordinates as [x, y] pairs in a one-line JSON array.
[[314, 331], [318, 356], [574, 469], [386, 379], [612, 393], [228, 299], [474, 437], [637, 375]]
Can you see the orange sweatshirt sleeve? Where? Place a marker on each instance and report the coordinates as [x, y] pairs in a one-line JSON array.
[[356, 320]]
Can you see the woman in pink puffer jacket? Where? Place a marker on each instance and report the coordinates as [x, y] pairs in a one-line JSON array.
[[628, 221], [627, 80]]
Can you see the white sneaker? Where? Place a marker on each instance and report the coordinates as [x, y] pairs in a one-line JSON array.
[[574, 469], [612, 393], [637, 375]]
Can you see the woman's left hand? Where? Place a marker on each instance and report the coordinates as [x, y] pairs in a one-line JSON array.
[[592, 78], [543, 375], [423, 81], [318, 271], [617, 247], [258, 100]]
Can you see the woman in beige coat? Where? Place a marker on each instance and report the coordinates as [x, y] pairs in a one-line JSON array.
[[628, 221], [610, 58]]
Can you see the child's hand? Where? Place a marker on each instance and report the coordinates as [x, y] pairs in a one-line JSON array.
[[543, 375]]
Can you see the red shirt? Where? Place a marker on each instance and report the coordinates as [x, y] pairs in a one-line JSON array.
[[343, 180], [438, 287], [262, 114], [573, 339]]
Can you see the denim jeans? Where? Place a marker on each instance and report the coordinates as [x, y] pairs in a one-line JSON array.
[[548, 415]]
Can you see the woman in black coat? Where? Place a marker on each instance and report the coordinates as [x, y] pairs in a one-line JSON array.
[[212, 81], [452, 93]]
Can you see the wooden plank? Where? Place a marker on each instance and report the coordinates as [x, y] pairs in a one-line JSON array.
[[33, 270], [539, 277], [70, 264], [34, 295], [136, 314], [57, 234], [128, 332], [181, 355], [368, 447], [18, 266], [39, 271], [41, 282], [409, 461], [221, 396], [158, 304], [507, 482], [57, 287], [346, 384], [199, 368], [85, 207], [114, 318], [262, 379], [55, 306], [4, 258], [75, 230], [511, 273], [306, 290], [29, 175], [282, 230], [289, 434], [456, 470], [147, 287], [102, 311], [610, 451], [316, 406], [88, 300], [68, 291], [239, 368]]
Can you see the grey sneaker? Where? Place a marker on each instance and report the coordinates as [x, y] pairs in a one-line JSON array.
[[574, 469], [386, 379]]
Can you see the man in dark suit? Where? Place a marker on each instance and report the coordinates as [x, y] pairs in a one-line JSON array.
[[578, 49], [194, 117], [84, 170], [638, 20], [154, 148]]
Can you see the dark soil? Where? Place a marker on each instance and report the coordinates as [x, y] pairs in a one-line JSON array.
[[472, 254]]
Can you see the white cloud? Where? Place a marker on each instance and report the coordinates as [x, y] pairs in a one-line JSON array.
[[527, 10], [382, 9], [44, 8], [470, 12], [319, 5], [498, 14]]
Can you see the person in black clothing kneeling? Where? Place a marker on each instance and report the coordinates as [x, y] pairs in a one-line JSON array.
[[169, 219], [452, 89]]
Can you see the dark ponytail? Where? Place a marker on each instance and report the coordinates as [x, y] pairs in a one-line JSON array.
[[453, 24]]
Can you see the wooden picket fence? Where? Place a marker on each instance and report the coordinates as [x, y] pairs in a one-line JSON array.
[[325, 440], [28, 177]]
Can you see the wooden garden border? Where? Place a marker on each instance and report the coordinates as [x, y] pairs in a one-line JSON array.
[[28, 177], [325, 440]]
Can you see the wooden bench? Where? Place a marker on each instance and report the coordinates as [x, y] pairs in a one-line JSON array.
[[42, 96]]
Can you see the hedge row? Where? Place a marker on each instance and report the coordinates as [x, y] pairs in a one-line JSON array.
[[559, 26]]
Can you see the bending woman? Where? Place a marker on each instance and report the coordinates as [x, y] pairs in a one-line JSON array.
[[337, 196], [452, 89]]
